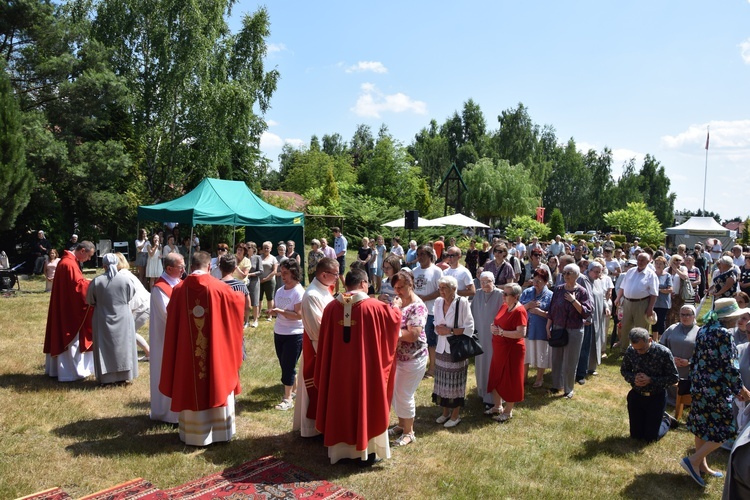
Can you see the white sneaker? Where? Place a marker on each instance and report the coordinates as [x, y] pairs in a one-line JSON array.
[[255, 324], [441, 419]]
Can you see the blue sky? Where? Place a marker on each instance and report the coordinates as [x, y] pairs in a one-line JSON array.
[[639, 77]]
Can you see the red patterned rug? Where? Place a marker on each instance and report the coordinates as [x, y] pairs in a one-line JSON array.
[[266, 477], [50, 494], [132, 490]]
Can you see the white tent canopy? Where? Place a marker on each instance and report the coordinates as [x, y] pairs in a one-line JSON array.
[[402, 221], [459, 220], [699, 229]]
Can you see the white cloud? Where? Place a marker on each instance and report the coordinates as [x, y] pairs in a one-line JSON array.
[[365, 66], [276, 47], [620, 156], [724, 135], [372, 102], [270, 141], [745, 50], [272, 123]]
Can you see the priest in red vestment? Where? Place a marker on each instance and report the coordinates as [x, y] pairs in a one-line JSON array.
[[353, 372], [202, 354], [68, 339]]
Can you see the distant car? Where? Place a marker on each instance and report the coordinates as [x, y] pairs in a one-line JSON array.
[[578, 233], [592, 232]]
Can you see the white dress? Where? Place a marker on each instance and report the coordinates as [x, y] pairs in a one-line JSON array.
[[153, 266]]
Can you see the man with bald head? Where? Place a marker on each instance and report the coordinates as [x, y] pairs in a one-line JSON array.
[[452, 257]]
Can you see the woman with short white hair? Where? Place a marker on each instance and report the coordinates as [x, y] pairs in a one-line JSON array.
[[452, 317], [569, 307], [725, 282]]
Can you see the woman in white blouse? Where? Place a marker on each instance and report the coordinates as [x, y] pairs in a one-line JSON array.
[[449, 390]]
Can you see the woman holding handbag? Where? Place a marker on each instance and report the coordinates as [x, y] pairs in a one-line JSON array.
[[507, 372], [569, 306], [452, 317]]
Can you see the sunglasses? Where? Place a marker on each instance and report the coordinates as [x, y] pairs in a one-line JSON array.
[[451, 255], [500, 251]]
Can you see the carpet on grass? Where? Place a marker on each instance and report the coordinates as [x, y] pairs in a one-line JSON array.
[[266, 477], [132, 490], [50, 494]]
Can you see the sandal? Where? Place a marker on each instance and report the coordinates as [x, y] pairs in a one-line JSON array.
[[395, 431], [286, 404], [538, 384], [503, 417], [494, 410], [405, 439]]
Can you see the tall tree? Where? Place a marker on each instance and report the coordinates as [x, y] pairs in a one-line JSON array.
[[182, 65], [16, 180], [628, 188], [517, 137], [431, 152], [655, 187], [568, 187], [362, 144], [474, 126], [498, 190], [602, 184]]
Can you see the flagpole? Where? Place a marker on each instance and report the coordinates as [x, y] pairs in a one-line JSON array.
[[705, 174]]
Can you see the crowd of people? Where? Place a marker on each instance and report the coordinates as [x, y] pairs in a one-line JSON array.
[[534, 306]]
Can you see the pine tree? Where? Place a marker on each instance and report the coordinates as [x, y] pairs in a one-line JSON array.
[[16, 181], [556, 223]]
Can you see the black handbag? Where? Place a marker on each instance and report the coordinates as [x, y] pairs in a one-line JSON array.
[[683, 387], [558, 337], [463, 346]]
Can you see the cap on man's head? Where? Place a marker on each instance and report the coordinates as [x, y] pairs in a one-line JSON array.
[[631, 262]]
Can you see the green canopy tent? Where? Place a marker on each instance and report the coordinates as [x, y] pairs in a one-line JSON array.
[[230, 203]]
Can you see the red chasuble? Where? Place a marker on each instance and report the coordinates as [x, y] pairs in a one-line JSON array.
[[354, 375], [202, 344], [68, 314]]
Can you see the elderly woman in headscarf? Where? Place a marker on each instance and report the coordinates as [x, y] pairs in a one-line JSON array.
[[484, 308], [115, 354], [594, 335], [714, 382]]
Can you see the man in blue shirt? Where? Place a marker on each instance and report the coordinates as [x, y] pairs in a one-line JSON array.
[[339, 246]]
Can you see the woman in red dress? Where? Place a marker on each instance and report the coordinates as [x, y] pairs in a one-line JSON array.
[[507, 372]]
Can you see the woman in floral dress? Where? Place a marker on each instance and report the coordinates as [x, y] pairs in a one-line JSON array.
[[714, 382]]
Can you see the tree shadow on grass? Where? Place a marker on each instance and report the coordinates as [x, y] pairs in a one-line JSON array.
[[612, 445], [258, 399], [25, 382], [120, 436]]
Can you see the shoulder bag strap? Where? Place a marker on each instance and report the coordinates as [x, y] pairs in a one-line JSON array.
[[455, 316]]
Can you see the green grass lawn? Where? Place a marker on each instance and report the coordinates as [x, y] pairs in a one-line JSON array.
[[85, 439]]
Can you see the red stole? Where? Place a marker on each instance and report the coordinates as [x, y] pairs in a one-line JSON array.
[[69, 314], [164, 286], [202, 344], [308, 375]]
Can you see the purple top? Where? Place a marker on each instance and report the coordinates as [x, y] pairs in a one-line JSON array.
[[563, 313], [503, 275], [415, 314]]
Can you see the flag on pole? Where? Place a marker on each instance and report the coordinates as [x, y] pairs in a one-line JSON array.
[[707, 135]]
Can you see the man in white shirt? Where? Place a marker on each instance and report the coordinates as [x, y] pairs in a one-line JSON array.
[[557, 247], [634, 250], [715, 250], [637, 295], [614, 268], [426, 276], [397, 249], [519, 250], [737, 257], [466, 286]]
